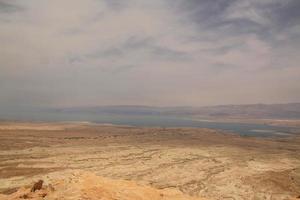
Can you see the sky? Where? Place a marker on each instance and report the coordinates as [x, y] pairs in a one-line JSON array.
[[68, 53]]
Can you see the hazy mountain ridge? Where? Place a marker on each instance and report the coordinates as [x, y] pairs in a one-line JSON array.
[[281, 111]]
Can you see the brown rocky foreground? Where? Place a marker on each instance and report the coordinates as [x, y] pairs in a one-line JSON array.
[[83, 185], [201, 163]]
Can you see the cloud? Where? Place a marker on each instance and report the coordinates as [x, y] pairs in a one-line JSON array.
[[136, 45], [7, 7], [160, 52]]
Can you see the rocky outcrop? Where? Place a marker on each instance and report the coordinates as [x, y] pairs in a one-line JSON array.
[[37, 186], [83, 185]]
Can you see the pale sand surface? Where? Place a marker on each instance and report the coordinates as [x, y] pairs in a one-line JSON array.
[[85, 185], [197, 162]]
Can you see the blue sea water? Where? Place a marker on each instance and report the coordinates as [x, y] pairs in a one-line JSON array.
[[243, 129]]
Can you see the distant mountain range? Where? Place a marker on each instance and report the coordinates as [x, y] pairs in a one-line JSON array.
[[270, 111]]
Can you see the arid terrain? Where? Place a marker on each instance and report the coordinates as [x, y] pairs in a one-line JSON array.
[[85, 185], [200, 163]]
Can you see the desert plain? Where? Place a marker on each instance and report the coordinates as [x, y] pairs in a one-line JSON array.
[[198, 163]]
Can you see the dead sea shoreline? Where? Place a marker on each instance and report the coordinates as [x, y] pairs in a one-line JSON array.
[[242, 127]]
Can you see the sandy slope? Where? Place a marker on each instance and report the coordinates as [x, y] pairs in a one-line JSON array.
[[84, 185]]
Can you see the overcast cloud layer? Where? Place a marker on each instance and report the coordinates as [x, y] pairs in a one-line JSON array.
[[158, 52]]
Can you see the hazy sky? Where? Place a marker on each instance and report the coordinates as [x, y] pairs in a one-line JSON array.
[[148, 52]]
